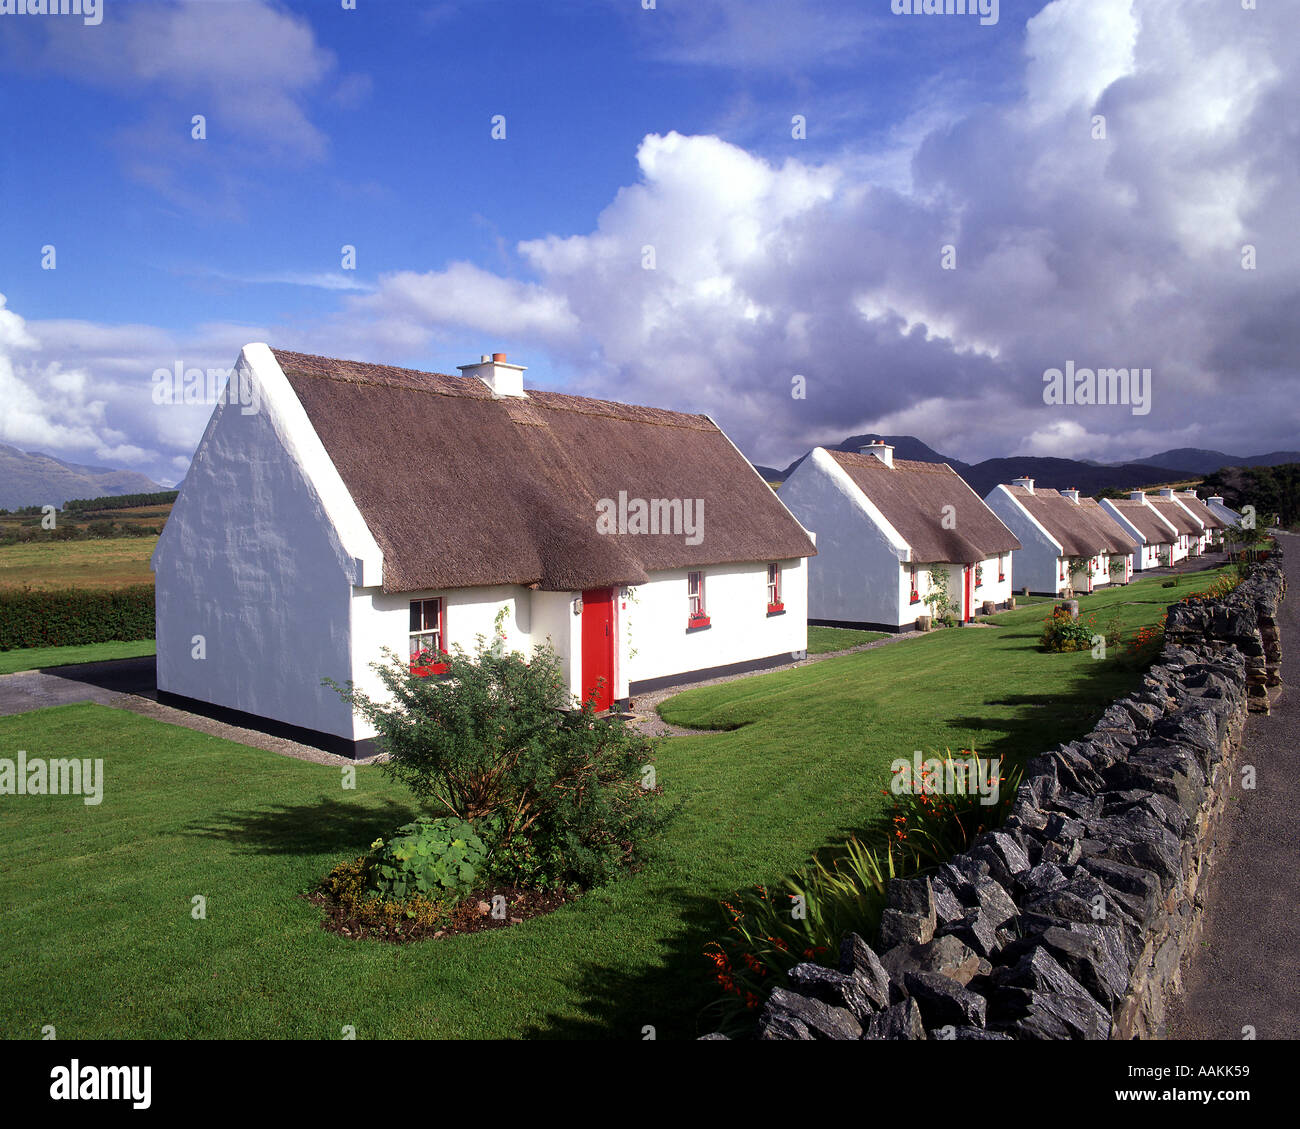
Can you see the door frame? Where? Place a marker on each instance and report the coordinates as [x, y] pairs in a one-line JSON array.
[[611, 624]]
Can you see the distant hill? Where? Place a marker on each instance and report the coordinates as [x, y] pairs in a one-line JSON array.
[[29, 478], [905, 447], [1207, 462], [1086, 476]]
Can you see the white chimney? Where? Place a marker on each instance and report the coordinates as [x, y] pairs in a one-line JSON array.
[[882, 450], [1217, 499], [1167, 492], [502, 378], [1072, 494], [1137, 496], [1026, 483]]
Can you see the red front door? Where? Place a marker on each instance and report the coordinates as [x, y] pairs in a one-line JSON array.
[[598, 646], [968, 593]]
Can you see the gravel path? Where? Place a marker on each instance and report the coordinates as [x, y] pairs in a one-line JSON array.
[[1246, 970]]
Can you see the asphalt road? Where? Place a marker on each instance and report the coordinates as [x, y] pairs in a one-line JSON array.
[[1246, 970]]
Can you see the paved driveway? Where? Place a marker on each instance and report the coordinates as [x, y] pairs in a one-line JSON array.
[[103, 682], [1246, 971], [131, 684]]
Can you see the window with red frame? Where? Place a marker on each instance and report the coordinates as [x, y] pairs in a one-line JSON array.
[[774, 603], [696, 615], [915, 596], [428, 633]]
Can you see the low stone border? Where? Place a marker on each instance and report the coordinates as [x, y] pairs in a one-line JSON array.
[[1070, 920]]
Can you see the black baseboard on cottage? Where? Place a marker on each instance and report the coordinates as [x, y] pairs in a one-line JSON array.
[[649, 685], [327, 742], [863, 625]]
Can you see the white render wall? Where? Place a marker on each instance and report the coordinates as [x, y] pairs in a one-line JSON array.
[[1037, 563], [654, 642], [250, 559], [650, 622]]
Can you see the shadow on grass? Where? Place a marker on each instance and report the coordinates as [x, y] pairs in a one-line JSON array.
[[327, 826], [670, 995]]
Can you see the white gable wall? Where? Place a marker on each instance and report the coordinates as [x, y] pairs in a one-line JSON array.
[[251, 560], [857, 574], [1037, 563]]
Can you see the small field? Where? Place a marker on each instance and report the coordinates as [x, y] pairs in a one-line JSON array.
[[95, 901], [116, 563]]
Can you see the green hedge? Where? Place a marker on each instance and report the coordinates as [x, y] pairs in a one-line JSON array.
[[121, 501], [68, 616]]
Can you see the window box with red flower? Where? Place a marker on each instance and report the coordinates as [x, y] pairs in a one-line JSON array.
[[427, 631], [696, 619], [426, 663]]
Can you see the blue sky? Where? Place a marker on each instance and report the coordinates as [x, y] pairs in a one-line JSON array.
[[669, 127]]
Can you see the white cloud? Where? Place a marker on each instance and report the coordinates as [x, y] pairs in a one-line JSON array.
[[1124, 252], [251, 68]]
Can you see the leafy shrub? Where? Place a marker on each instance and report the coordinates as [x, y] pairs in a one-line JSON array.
[[1169, 584], [346, 883], [71, 616], [942, 608], [1061, 633], [526, 860], [497, 743], [433, 857], [347, 887]]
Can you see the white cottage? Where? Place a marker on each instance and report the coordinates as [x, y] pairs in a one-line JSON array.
[[886, 530], [1189, 528], [1212, 526], [335, 508], [1229, 517], [1069, 543], [1154, 536]]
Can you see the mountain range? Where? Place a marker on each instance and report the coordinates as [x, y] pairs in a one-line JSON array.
[[30, 478], [1086, 476]]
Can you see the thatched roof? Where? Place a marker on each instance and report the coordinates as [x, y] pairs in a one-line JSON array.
[[1202, 511], [463, 489], [912, 496], [1082, 530], [1172, 512], [1144, 519]]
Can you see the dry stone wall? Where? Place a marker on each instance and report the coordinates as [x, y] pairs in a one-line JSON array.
[[1070, 920]]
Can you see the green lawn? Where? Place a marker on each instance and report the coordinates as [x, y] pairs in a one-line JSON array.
[[33, 658], [98, 939], [824, 640]]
